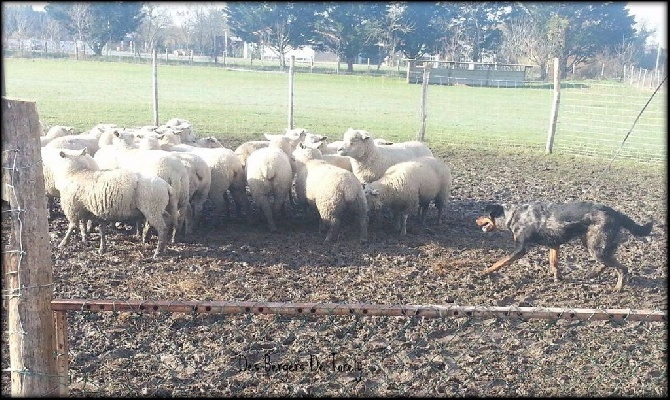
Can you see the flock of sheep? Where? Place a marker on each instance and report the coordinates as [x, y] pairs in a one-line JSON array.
[[163, 176]]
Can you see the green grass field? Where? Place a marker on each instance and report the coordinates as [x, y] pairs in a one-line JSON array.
[[236, 105]]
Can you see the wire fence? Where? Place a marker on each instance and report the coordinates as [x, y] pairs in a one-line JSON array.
[[593, 117]]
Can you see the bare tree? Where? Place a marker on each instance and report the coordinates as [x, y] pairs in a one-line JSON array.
[[22, 17], [387, 31], [53, 30], [82, 19], [452, 46], [525, 38], [203, 23], [155, 26]]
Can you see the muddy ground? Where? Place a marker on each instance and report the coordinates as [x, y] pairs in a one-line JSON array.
[[135, 354]]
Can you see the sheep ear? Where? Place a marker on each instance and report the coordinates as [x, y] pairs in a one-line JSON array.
[[364, 135], [84, 151]]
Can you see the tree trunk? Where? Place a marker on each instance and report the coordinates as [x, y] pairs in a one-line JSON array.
[[97, 48], [564, 67], [543, 71]]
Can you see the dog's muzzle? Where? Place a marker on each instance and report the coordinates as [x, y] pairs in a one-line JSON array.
[[487, 223]]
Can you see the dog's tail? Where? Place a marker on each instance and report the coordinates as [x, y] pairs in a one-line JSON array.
[[633, 227]]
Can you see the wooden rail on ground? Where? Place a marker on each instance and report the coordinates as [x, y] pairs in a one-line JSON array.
[[428, 311], [61, 306]]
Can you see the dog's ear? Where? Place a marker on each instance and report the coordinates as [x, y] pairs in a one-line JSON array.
[[495, 210]]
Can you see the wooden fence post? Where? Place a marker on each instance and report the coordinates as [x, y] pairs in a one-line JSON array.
[[424, 95], [554, 107], [155, 84], [291, 71], [410, 64], [62, 348], [27, 256]]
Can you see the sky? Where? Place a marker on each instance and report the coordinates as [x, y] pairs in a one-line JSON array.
[[651, 13], [655, 15]]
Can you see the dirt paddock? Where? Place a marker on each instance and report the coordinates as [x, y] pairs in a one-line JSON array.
[[165, 354]]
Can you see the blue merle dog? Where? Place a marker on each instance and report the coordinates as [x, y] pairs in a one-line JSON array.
[[553, 224]]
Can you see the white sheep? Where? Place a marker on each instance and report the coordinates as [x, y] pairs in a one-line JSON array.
[[337, 160], [182, 127], [409, 185], [208, 142], [124, 154], [200, 182], [59, 131], [49, 159], [227, 174], [44, 128], [270, 176], [111, 195], [370, 161], [245, 149], [320, 142], [89, 140], [334, 192], [54, 132]]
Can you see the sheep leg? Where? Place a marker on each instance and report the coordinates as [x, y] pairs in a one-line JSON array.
[[163, 231], [423, 211], [363, 227], [241, 202], [334, 227], [322, 224], [145, 232], [66, 238], [226, 206], [162, 239], [266, 207], [103, 243], [402, 223], [198, 206], [82, 231], [184, 222], [190, 221]]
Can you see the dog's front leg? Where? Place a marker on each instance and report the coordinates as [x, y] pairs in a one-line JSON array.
[[553, 263], [519, 252]]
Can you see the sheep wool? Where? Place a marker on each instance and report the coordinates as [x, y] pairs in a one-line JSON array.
[[270, 177], [370, 161], [333, 191], [111, 195], [405, 187]]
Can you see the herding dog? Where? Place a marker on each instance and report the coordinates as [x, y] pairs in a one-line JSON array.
[[552, 224]]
